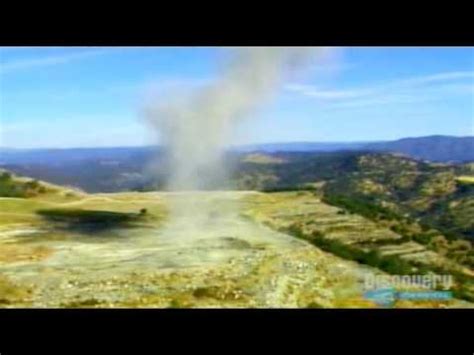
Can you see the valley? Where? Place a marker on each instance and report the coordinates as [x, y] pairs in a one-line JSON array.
[[297, 230]]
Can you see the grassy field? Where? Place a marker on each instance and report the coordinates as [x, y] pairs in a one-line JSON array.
[[227, 249], [466, 179]]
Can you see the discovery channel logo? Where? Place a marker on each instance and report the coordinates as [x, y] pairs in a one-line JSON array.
[[385, 293], [382, 297]]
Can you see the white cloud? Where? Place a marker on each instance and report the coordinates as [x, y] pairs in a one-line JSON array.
[[434, 78], [312, 91], [402, 91]]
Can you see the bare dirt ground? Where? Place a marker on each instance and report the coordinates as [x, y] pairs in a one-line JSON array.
[[214, 254]]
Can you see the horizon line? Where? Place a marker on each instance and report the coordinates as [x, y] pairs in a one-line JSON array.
[[240, 145]]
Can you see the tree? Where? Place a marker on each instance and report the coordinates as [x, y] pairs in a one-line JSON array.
[[5, 176]]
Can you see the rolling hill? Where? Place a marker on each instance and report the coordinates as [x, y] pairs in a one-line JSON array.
[[125, 168]]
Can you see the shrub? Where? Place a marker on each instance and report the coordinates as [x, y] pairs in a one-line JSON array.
[[366, 208], [5, 176], [388, 263]]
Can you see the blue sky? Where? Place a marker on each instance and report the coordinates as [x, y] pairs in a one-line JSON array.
[[85, 97]]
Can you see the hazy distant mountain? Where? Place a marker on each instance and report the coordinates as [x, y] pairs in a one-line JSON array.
[[301, 147], [59, 157], [433, 148]]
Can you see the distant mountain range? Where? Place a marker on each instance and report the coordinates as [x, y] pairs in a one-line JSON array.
[[431, 148], [301, 147], [57, 157]]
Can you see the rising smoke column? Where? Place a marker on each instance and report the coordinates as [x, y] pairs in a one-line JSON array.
[[197, 126]]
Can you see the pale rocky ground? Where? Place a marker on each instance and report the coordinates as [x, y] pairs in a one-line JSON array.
[[217, 253], [279, 210]]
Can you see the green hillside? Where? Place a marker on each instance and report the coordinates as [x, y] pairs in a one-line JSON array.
[[436, 195]]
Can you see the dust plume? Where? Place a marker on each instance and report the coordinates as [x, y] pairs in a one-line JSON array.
[[197, 126]]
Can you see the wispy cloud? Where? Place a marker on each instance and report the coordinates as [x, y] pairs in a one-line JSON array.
[[30, 63], [312, 91], [406, 90], [436, 78]]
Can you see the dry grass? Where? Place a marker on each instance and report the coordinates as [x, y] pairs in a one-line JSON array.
[[20, 252], [11, 293], [272, 270], [466, 179]]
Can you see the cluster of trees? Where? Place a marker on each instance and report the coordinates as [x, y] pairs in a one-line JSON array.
[[10, 187], [360, 206], [289, 188], [387, 263], [445, 219], [417, 200], [391, 264], [435, 235]]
